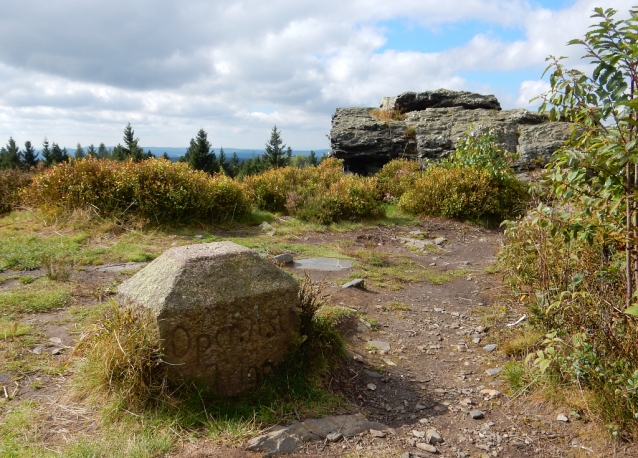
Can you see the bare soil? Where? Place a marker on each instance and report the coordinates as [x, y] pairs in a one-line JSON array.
[[432, 377]]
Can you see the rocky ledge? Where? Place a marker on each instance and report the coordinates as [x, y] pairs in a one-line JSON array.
[[428, 125]]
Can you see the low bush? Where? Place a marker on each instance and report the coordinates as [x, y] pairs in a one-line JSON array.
[[574, 289], [269, 190], [156, 189], [465, 193], [12, 181], [351, 198], [397, 176]]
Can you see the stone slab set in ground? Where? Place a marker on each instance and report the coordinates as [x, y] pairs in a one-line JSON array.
[[435, 121], [225, 315]]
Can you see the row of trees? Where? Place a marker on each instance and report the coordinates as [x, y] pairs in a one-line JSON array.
[[199, 156]]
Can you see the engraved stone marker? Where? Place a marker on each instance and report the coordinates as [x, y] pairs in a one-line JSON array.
[[225, 315]]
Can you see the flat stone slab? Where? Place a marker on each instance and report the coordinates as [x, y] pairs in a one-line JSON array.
[[328, 264], [357, 282], [288, 439]]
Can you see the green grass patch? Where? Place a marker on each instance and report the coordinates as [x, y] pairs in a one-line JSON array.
[[30, 251], [40, 296], [18, 436], [10, 329]]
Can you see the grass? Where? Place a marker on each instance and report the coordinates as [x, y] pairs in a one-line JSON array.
[[396, 306], [10, 329], [18, 433], [41, 296], [521, 341]]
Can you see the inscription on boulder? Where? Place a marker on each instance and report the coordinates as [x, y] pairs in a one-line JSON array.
[[225, 316]]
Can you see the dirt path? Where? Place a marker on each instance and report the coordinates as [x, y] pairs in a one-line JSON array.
[[424, 366], [435, 373]]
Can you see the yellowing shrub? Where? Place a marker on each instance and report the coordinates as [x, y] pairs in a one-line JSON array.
[[464, 193], [268, 190], [397, 176], [12, 181], [351, 198], [155, 189]]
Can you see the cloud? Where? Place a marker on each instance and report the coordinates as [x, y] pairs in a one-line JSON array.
[[79, 71]]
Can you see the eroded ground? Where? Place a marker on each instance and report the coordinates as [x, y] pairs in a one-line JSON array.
[[437, 308]]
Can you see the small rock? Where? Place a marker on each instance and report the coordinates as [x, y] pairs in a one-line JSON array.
[[372, 387], [334, 437], [433, 436], [358, 358], [492, 371], [432, 264], [491, 393], [481, 329], [466, 402], [383, 346], [373, 374], [562, 418], [406, 455], [389, 362], [469, 278], [357, 282], [476, 414], [440, 240], [418, 434], [427, 447], [265, 226], [199, 236], [283, 258], [37, 350], [489, 348], [377, 433], [420, 407], [55, 340], [56, 351], [476, 340]]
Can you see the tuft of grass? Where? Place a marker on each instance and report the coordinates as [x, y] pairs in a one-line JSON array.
[[10, 329], [18, 432], [396, 306], [522, 341], [27, 252], [40, 296]]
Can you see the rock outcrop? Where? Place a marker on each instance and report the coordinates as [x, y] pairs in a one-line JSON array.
[[427, 125], [225, 315]]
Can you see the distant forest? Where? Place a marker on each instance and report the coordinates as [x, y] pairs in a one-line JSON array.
[[199, 155]]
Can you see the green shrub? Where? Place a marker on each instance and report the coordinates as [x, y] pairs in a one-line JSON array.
[[12, 181], [464, 193], [397, 176], [269, 190], [351, 198], [156, 189], [576, 286]]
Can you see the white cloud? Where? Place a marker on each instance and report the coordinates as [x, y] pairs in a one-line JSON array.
[[81, 71]]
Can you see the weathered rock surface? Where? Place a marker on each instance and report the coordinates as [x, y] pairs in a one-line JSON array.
[[225, 316], [289, 438], [433, 124]]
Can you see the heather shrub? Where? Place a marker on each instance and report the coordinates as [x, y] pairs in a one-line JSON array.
[[397, 176], [156, 189], [351, 198], [269, 190], [464, 193], [12, 181]]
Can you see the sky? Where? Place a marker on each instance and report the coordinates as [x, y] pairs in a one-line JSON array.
[[80, 71]]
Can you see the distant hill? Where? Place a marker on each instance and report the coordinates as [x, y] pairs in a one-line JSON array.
[[176, 153]]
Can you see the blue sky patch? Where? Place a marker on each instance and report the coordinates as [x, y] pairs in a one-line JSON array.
[[403, 35]]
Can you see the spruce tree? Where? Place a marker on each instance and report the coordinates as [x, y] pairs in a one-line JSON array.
[[199, 155], [131, 149], [223, 162], [79, 153], [91, 151], [46, 153], [57, 155], [102, 152], [276, 154], [10, 156], [314, 161], [29, 156], [233, 166]]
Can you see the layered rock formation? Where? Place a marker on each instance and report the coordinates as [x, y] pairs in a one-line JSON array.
[[428, 125]]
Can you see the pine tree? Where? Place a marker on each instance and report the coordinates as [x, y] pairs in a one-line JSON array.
[[166, 156], [91, 151], [46, 153], [199, 156], [223, 162], [57, 155], [130, 150], [276, 154], [10, 156], [312, 159], [79, 153], [103, 152], [29, 156], [233, 166]]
